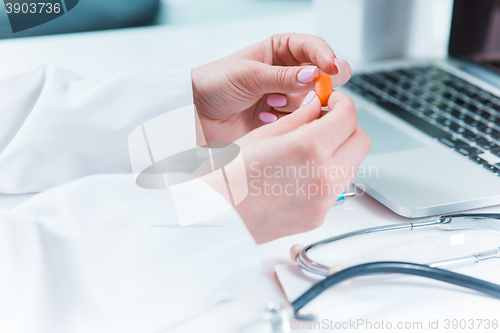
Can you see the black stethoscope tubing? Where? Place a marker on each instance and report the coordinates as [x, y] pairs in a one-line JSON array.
[[397, 267], [447, 222]]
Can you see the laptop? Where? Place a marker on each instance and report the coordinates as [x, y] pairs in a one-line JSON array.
[[435, 125]]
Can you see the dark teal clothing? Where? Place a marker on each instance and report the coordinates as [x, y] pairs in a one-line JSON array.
[[89, 15]]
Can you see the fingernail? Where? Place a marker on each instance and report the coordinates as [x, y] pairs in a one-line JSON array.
[[268, 117], [337, 64], [310, 96], [307, 74], [276, 101]]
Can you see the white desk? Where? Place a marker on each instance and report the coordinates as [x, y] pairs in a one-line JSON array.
[[109, 53]]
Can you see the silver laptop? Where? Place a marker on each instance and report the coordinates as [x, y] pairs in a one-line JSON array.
[[435, 126]]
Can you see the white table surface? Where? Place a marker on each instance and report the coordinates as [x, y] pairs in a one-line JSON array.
[[115, 52]]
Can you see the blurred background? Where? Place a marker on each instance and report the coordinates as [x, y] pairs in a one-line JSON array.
[[198, 11], [92, 15], [139, 34]]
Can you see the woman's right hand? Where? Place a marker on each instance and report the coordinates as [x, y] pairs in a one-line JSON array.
[[325, 154], [268, 79]]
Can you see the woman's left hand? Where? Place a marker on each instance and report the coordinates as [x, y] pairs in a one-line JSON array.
[[261, 83]]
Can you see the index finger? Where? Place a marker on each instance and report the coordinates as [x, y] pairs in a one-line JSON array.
[[329, 132], [295, 49]]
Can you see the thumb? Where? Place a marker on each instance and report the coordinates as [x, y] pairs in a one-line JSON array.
[[286, 80], [303, 115]]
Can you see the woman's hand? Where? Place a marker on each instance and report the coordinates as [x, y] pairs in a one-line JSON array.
[[298, 166], [273, 76]]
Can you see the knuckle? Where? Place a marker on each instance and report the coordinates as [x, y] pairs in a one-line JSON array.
[[303, 148], [351, 118], [248, 77], [252, 70], [349, 102], [276, 37], [310, 148], [346, 69], [317, 41], [282, 77], [320, 39], [366, 142], [272, 40], [316, 146]]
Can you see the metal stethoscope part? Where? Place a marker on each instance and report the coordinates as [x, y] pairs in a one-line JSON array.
[[278, 317], [445, 222]]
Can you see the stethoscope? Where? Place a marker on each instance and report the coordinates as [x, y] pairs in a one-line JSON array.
[[278, 317]]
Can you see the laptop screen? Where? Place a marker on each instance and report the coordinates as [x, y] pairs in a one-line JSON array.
[[475, 32]]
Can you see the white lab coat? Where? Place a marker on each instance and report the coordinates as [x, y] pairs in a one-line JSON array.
[[93, 252]]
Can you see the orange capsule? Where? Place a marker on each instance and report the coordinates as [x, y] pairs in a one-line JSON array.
[[324, 88]]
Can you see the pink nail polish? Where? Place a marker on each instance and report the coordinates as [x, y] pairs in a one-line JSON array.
[[310, 96], [337, 64], [276, 101], [307, 74], [268, 117]]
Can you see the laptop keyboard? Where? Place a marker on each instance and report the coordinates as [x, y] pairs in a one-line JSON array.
[[460, 115]]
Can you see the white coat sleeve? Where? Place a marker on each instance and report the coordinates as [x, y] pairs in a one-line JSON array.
[[56, 126], [103, 255], [98, 253]]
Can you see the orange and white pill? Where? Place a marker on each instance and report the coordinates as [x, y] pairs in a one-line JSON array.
[[324, 88]]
